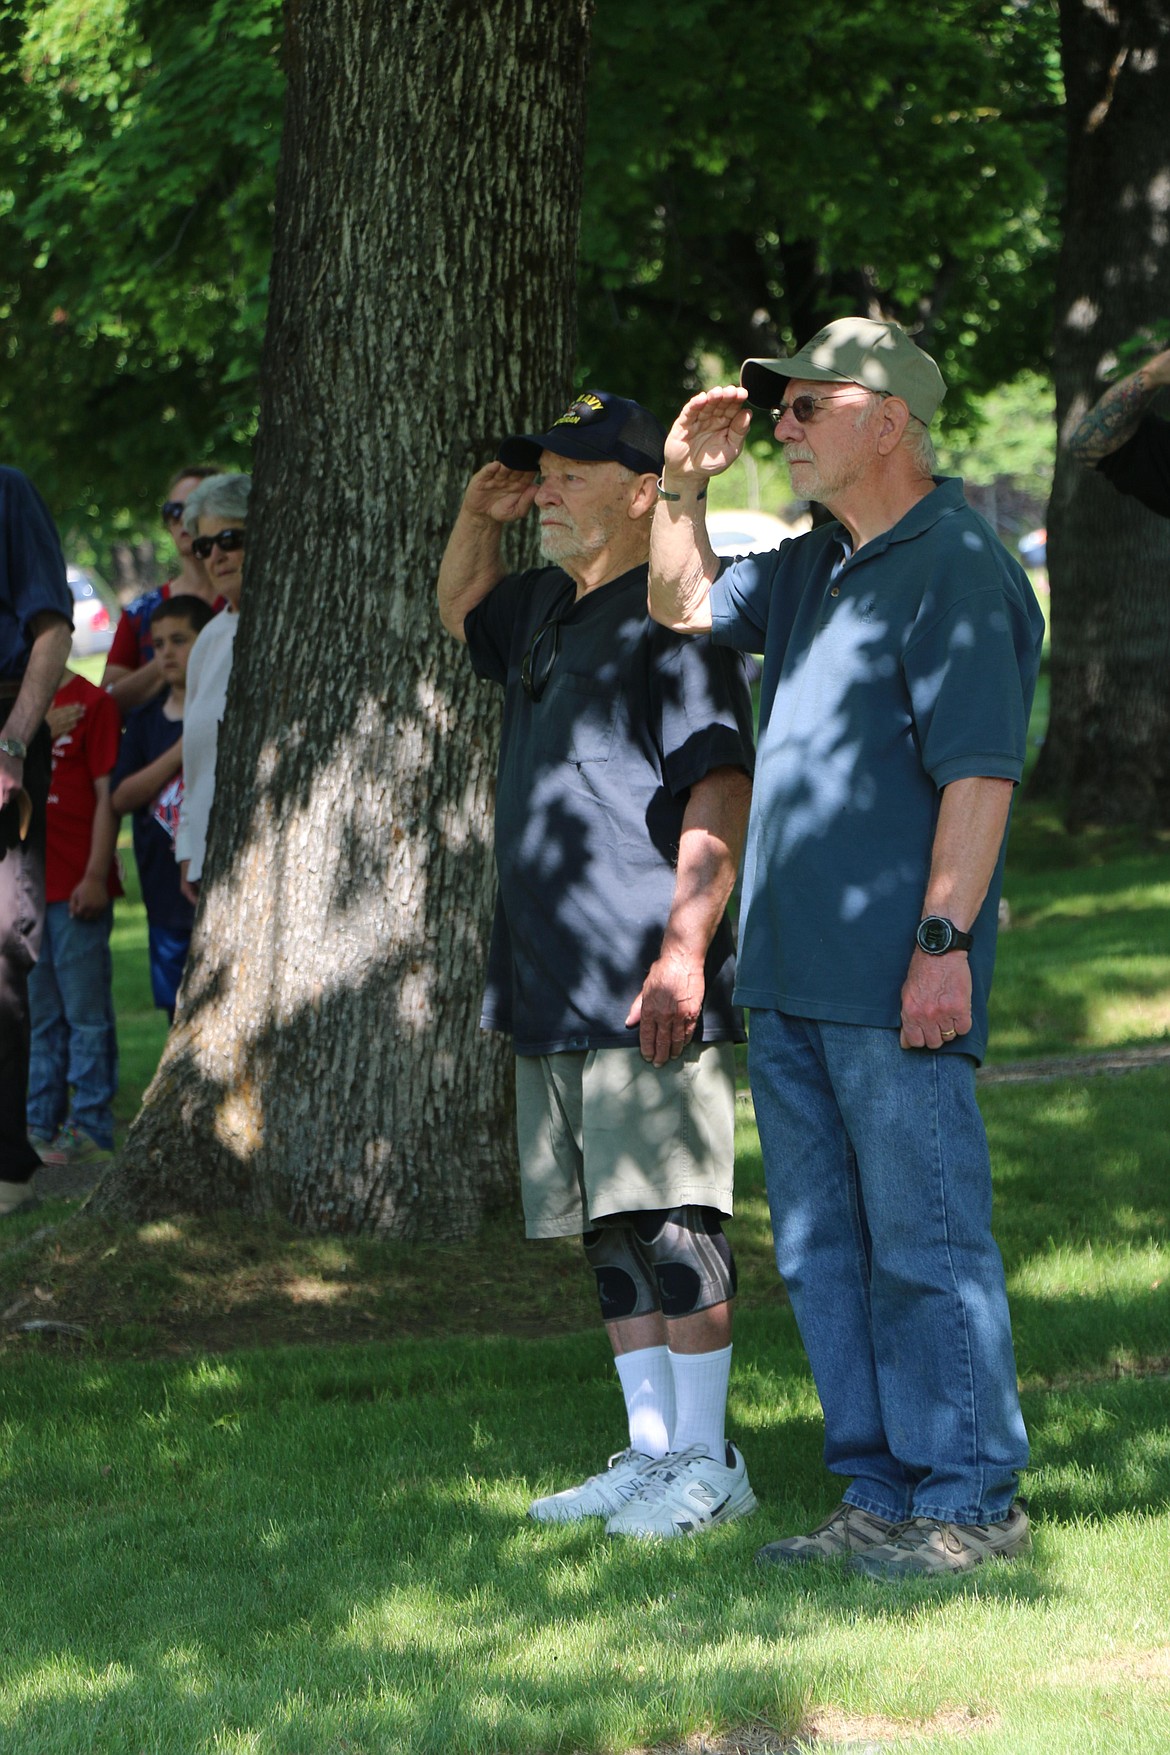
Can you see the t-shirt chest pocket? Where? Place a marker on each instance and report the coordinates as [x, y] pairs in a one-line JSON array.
[[590, 706]]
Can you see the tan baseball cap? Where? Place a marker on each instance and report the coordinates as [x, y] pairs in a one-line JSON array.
[[853, 350]]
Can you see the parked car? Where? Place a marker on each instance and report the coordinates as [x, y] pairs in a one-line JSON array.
[[748, 533], [94, 614], [1034, 548]]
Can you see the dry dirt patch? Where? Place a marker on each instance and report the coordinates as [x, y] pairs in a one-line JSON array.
[[826, 1727], [1150, 1669]]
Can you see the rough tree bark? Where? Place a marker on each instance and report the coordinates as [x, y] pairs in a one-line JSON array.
[[326, 1062], [1107, 754]]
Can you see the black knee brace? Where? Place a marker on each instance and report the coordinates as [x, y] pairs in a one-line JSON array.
[[675, 1259], [689, 1256], [625, 1284]]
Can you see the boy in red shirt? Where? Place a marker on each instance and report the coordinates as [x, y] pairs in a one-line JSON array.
[[74, 1062]]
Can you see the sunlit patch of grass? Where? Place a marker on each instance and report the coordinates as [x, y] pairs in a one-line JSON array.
[[1085, 963]]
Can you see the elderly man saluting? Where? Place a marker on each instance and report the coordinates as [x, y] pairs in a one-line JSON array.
[[621, 805], [900, 650]]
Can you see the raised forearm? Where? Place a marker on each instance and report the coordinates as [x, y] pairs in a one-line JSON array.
[[705, 440], [138, 789], [1116, 417], [683, 565], [471, 568], [471, 564], [130, 688]]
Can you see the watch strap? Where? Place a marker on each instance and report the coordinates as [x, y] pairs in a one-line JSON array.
[[956, 939]]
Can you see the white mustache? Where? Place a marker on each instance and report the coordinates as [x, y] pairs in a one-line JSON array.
[[797, 454]]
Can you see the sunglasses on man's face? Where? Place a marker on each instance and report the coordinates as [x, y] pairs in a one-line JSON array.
[[227, 540], [803, 407], [172, 509], [536, 664]]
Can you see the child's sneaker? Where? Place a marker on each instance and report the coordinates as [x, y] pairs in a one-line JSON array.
[[76, 1149]]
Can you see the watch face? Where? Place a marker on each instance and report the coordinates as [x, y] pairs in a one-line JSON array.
[[934, 934]]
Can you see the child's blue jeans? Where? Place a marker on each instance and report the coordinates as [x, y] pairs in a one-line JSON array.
[[74, 1042]]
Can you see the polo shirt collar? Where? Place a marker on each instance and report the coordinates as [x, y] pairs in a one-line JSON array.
[[946, 497]]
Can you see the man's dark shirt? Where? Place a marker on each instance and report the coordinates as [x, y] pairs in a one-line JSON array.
[[1141, 467], [32, 570], [593, 782]]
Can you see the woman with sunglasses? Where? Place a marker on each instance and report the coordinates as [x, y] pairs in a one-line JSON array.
[[131, 675], [215, 517]]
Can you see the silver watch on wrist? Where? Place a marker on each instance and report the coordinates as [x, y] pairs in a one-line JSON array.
[[15, 747]]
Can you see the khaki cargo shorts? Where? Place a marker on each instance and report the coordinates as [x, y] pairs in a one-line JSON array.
[[605, 1132]]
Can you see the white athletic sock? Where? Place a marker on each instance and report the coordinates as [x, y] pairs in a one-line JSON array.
[[648, 1385], [700, 1396]]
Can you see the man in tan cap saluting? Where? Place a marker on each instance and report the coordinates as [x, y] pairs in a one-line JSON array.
[[900, 649]]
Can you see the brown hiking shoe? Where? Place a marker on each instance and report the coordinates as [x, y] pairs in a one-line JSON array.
[[847, 1530], [928, 1548]]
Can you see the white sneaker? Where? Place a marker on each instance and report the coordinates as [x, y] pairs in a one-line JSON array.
[[600, 1496], [685, 1493]]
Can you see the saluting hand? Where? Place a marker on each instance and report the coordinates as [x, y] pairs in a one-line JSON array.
[[709, 433], [499, 493]]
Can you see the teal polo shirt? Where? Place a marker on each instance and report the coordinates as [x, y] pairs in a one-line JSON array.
[[886, 675]]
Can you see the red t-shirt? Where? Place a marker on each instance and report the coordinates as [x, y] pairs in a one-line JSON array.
[[132, 646], [80, 756]]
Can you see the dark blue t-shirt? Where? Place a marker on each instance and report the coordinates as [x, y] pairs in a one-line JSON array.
[[148, 733], [593, 782], [32, 570], [887, 674], [1141, 466]]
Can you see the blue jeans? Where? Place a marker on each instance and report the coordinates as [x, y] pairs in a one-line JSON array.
[[74, 1042], [879, 1184], [168, 958]]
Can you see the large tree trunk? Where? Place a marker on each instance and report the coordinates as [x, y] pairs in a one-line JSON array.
[[1107, 755], [326, 1062]]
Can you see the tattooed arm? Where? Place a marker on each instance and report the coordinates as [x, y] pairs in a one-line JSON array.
[[1113, 420]]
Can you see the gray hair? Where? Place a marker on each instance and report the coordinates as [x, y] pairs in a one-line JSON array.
[[918, 442], [220, 496], [916, 439]]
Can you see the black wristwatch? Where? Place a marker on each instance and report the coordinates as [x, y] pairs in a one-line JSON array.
[[936, 935]]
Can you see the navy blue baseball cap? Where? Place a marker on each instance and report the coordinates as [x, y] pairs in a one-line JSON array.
[[597, 428]]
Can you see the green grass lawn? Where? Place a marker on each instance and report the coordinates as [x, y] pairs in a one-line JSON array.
[[313, 1549]]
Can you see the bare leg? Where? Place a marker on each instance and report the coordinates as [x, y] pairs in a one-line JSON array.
[[707, 1331]]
